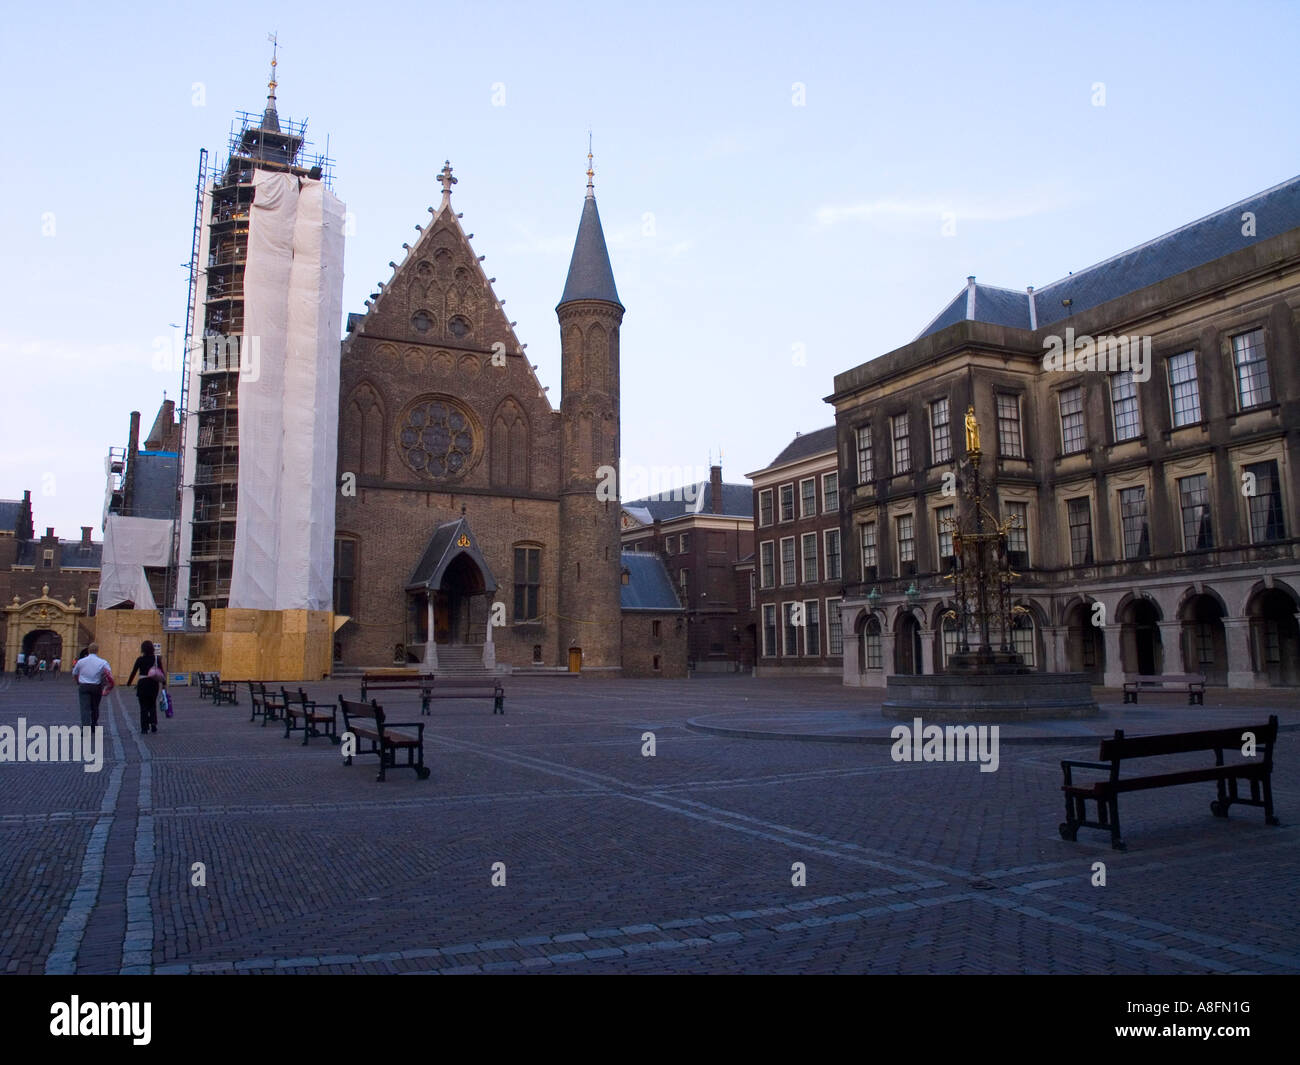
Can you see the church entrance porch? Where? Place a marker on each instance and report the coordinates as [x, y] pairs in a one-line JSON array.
[[449, 603]]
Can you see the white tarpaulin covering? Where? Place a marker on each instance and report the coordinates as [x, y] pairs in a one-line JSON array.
[[130, 544], [288, 397]]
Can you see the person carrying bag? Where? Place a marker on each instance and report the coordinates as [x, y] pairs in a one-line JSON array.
[[153, 679]]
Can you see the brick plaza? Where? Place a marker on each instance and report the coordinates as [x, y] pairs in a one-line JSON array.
[[617, 862]]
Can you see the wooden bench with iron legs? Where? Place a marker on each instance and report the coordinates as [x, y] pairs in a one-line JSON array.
[[449, 686], [224, 691], [366, 721], [395, 681], [207, 684], [268, 705], [1255, 769], [301, 713], [1191, 683]]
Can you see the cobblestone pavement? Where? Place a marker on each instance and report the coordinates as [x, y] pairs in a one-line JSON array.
[[618, 862]]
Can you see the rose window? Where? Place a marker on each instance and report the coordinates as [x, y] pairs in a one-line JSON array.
[[437, 438]]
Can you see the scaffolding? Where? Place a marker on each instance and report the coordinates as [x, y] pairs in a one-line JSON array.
[[257, 142]]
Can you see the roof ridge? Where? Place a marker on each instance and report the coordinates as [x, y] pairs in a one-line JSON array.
[[1169, 233]]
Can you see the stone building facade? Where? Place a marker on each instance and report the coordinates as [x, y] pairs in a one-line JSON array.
[[798, 559], [442, 419], [1139, 421]]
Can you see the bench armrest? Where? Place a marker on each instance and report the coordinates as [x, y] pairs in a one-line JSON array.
[[1070, 763], [404, 724]]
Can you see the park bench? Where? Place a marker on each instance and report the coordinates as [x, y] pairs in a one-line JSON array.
[[224, 691], [366, 721], [301, 713], [207, 684], [449, 686], [405, 680], [1256, 769], [268, 705], [1191, 683]]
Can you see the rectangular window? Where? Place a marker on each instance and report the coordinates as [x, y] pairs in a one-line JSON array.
[[1124, 406], [47, 560], [832, 554], [905, 537], [1022, 639], [1073, 437], [902, 444], [834, 628], [1184, 390], [1018, 534], [1010, 443], [769, 630], [670, 545], [528, 583], [869, 551], [753, 591], [655, 629], [808, 497], [683, 580], [809, 558], [1204, 643], [951, 640], [940, 432], [1079, 515], [345, 575], [767, 564], [1194, 504], [787, 561], [787, 502], [830, 493], [1133, 518], [791, 645], [765, 507], [943, 518], [872, 641], [1266, 521], [1253, 386], [866, 461], [92, 602], [685, 540], [812, 631]]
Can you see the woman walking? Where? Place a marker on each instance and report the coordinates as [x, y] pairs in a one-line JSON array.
[[152, 680]]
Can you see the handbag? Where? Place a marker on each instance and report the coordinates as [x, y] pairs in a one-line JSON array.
[[109, 682], [166, 702], [155, 671]]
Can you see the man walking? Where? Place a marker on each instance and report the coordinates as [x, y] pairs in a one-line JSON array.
[[22, 665], [90, 673]]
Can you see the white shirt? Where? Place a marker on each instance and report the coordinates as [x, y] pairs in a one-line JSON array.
[[90, 670]]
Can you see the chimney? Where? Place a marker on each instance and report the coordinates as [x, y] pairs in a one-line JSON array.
[[49, 533], [970, 296], [85, 534], [26, 530], [132, 446], [715, 487]]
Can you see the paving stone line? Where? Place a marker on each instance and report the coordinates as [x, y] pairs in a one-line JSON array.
[[62, 959], [137, 944]]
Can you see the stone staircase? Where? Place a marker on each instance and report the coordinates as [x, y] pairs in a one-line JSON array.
[[461, 660]]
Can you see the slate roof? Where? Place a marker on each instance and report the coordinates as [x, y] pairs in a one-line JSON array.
[[11, 511], [590, 275], [648, 587], [737, 502], [442, 551], [1276, 211], [68, 554], [155, 485], [806, 444]]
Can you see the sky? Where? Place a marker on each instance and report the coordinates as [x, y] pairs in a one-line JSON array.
[[787, 191]]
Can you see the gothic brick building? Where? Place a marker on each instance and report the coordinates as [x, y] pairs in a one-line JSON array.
[[469, 524]]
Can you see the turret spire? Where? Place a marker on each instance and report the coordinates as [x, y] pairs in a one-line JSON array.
[[271, 120], [591, 189]]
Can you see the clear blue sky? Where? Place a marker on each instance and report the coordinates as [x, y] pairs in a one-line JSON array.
[[740, 225]]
